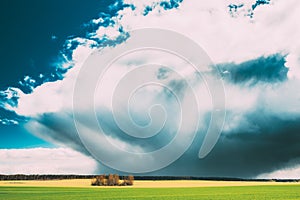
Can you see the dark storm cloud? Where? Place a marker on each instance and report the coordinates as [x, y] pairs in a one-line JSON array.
[[256, 140], [269, 69], [58, 128], [258, 137], [265, 137], [243, 152]]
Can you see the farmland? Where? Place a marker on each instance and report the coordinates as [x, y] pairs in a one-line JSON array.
[[65, 189], [237, 192]]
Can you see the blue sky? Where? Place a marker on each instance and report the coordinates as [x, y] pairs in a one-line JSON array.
[[28, 30], [32, 35], [254, 44]]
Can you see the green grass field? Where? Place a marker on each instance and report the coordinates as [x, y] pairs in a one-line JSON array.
[[240, 192]]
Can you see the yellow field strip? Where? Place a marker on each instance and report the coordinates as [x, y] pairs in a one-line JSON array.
[[140, 184]]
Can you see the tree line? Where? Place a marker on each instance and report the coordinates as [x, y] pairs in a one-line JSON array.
[[64, 176], [43, 177]]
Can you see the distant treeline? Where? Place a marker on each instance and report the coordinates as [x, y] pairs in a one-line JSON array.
[[43, 177], [210, 178], [59, 177]]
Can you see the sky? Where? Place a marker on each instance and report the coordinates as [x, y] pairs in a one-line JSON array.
[[52, 51], [32, 37]]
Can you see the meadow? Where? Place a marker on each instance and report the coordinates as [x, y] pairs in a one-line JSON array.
[[226, 192]]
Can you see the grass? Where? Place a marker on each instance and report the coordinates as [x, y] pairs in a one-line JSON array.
[[237, 192]]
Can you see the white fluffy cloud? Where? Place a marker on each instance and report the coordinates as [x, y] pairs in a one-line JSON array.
[[45, 161], [224, 37]]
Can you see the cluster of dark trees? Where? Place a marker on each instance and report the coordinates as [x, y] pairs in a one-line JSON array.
[[112, 180]]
